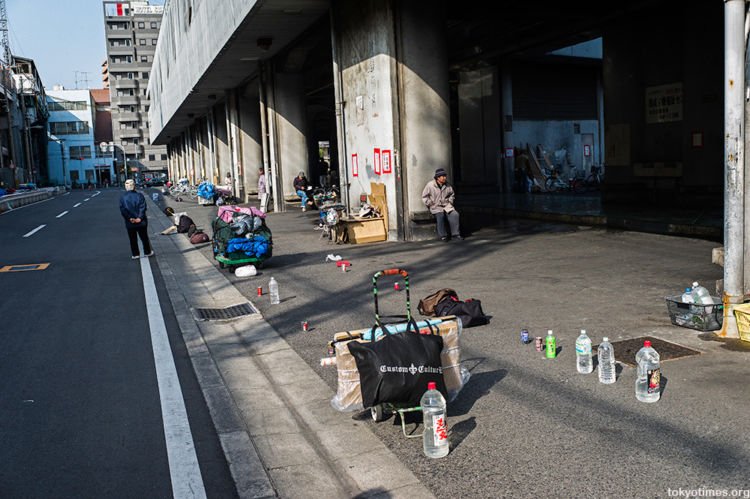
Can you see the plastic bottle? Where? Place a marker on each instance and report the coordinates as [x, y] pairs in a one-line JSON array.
[[583, 353], [435, 436], [550, 345], [273, 290], [701, 295], [648, 377], [687, 296], [605, 354]]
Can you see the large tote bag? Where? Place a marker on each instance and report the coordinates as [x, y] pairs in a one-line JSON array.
[[397, 368]]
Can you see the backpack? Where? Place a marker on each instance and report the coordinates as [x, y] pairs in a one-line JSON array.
[[199, 237], [427, 304], [470, 311], [184, 224]]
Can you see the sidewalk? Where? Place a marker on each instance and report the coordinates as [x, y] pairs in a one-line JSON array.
[[524, 426]]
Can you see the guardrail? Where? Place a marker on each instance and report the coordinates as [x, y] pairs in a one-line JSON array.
[[17, 199]]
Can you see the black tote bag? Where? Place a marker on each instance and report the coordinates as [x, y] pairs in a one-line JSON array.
[[397, 368]]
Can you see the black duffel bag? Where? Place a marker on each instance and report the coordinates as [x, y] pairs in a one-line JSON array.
[[470, 311], [397, 368]]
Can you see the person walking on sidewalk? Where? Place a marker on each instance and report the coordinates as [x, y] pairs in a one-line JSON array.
[[262, 190], [438, 196], [300, 187], [133, 210]]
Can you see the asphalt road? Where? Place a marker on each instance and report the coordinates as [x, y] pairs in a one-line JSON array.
[[81, 407]]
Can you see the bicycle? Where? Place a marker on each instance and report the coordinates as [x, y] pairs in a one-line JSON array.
[[555, 182], [595, 179]]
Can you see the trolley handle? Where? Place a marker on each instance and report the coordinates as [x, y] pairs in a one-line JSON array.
[[393, 271]]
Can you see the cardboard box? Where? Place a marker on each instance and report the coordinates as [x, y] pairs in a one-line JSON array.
[[365, 230]]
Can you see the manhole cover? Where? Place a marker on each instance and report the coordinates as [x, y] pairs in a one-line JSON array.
[[218, 314], [625, 350]]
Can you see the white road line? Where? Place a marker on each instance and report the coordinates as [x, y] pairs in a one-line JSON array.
[[35, 230], [183, 462], [62, 214], [96, 194], [86, 199], [76, 205]]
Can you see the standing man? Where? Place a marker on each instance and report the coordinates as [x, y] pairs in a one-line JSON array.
[[300, 187], [262, 190], [133, 210], [438, 196]]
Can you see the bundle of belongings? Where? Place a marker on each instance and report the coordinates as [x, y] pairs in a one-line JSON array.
[[183, 224], [241, 233], [393, 363], [446, 302], [206, 190]]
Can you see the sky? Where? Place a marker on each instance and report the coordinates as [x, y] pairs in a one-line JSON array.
[[65, 38]]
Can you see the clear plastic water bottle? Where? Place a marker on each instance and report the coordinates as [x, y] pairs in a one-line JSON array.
[[273, 290], [701, 295], [435, 436], [605, 354], [648, 377], [583, 353], [687, 296]]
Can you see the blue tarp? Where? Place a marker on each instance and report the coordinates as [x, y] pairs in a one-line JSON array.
[[206, 190], [256, 246]]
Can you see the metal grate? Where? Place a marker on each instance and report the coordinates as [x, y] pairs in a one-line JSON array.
[[219, 314], [625, 350]]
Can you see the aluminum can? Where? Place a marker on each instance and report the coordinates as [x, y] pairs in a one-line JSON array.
[[305, 326], [260, 291], [539, 343], [524, 336]]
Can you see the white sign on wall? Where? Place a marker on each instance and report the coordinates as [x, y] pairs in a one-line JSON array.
[[664, 103]]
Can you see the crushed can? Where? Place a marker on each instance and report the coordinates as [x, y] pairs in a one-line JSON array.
[[539, 341], [524, 336], [305, 326], [260, 291]]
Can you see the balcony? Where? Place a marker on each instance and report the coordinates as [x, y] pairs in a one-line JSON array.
[[127, 116], [130, 133], [120, 66], [123, 82], [120, 51], [124, 100]]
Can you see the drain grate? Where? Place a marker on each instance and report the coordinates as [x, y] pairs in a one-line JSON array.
[[218, 314], [625, 350]]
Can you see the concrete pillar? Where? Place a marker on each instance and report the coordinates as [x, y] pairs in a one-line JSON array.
[[211, 136], [250, 137], [291, 129], [394, 79], [221, 141], [232, 119], [507, 126]]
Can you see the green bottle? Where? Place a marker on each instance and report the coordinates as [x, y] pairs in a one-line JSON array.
[[550, 346]]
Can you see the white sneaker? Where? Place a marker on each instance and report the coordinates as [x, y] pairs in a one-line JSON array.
[[304, 209], [136, 257], [150, 254]]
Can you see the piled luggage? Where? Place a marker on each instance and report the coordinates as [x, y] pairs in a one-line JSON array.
[[241, 237]]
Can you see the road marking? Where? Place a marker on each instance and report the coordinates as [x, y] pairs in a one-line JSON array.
[[62, 214], [183, 462], [96, 194], [24, 268], [76, 205], [86, 199], [35, 230]]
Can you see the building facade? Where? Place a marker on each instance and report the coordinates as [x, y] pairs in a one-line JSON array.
[[131, 32], [75, 159], [32, 103]]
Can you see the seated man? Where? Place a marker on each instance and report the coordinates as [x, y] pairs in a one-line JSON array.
[[300, 186], [438, 196]]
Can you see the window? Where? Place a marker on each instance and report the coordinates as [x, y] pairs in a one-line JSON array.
[[67, 106], [144, 58], [144, 75], [152, 157], [153, 41], [122, 92], [163, 157], [153, 25], [142, 41], [80, 152], [124, 142], [141, 25], [68, 127]]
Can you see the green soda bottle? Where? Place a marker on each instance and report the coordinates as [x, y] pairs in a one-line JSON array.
[[550, 346]]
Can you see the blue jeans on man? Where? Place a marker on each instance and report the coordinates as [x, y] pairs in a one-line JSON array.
[[303, 197]]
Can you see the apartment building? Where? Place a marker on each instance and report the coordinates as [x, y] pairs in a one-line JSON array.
[[131, 32]]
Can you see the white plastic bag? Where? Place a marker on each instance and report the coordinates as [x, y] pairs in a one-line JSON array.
[[246, 271]]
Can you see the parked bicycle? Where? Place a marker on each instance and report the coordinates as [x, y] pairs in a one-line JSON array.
[[556, 183], [595, 179]]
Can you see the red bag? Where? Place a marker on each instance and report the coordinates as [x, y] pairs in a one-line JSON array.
[[199, 237]]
